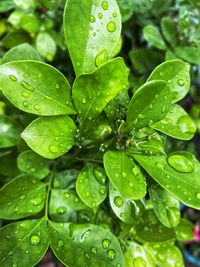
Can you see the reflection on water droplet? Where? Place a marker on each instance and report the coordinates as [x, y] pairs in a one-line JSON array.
[[60, 243], [25, 104], [118, 201], [111, 254], [13, 78], [139, 262], [27, 86], [101, 58], [35, 239], [93, 250], [25, 94], [106, 243], [160, 165], [53, 148], [186, 124], [100, 15], [36, 107], [181, 82], [36, 201], [111, 26], [198, 195], [104, 5], [180, 163], [92, 19], [61, 210]]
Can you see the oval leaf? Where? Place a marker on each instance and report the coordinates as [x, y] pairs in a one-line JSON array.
[[26, 86], [22, 197], [184, 231], [188, 53], [50, 137], [177, 74], [92, 30], [124, 174], [153, 37], [90, 242], [149, 104], [23, 242]]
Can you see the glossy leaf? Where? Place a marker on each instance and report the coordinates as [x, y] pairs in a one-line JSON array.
[[46, 45], [137, 256], [9, 132], [92, 92], [150, 103], [21, 52], [23, 242], [31, 163], [8, 164], [169, 30], [124, 174], [176, 74], [153, 37], [184, 231], [90, 189], [165, 255], [92, 30], [165, 206], [189, 54], [177, 124], [26, 86], [65, 179], [126, 210], [76, 245], [22, 197], [183, 185], [65, 205], [150, 229], [50, 137]]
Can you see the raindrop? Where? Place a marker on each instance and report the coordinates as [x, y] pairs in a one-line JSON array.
[[131, 184], [92, 19], [35, 239], [8, 237], [87, 255], [124, 174], [85, 235], [36, 201], [102, 191], [78, 64], [57, 86], [11, 253], [114, 14], [181, 82], [25, 104], [27, 86], [101, 58], [163, 109], [100, 15], [53, 149], [180, 163], [106, 243], [13, 78], [60, 243], [136, 171], [111, 254], [173, 215], [83, 100], [141, 116], [160, 165], [66, 195], [150, 106], [94, 204], [75, 200], [100, 175], [14, 265], [25, 94], [36, 107], [111, 26], [61, 210], [93, 250], [118, 201], [104, 5]]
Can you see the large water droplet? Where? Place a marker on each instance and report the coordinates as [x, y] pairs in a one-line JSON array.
[[36, 107], [13, 78], [180, 163], [92, 18], [106, 243], [27, 86], [104, 5], [35, 239], [66, 195], [61, 210], [100, 15], [111, 254], [136, 171], [186, 124], [101, 58], [118, 201], [53, 148], [111, 26]]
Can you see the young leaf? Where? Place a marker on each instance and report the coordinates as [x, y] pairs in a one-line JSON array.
[[150, 103], [45, 45], [22, 197], [90, 242], [169, 30], [92, 92], [92, 31], [91, 185], [9, 132], [190, 54], [165, 254], [21, 52], [26, 86], [178, 174], [165, 206], [126, 210], [177, 124], [65, 205], [150, 229], [153, 37], [184, 231], [177, 74], [23, 242], [31, 163], [124, 174], [50, 137]]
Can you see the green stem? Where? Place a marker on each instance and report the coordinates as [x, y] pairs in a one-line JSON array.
[[48, 192]]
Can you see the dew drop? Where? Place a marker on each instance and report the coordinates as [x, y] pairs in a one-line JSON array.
[[111, 26], [139, 262], [25, 104], [35, 239], [101, 58], [85, 235], [181, 82], [66, 195], [94, 204], [83, 100], [160, 165], [11, 253], [104, 5], [93, 250], [106, 243], [118, 202], [131, 184], [25, 94], [136, 171], [114, 14], [36, 107], [13, 78], [87, 255], [53, 148], [100, 175], [111, 254], [92, 19], [173, 216], [61, 210], [163, 109], [27, 86], [141, 116], [60, 243], [100, 15], [150, 106], [198, 195], [78, 64], [14, 265], [75, 200], [180, 163], [36, 201]]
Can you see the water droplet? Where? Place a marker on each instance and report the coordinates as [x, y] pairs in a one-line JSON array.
[[114, 14], [36, 201], [186, 124], [100, 175], [139, 262], [104, 5], [92, 19], [36, 107], [25, 94], [75, 200], [101, 58], [66, 195], [87, 255], [13, 78], [11, 253], [85, 235], [60, 243], [124, 174], [181, 82], [180, 163], [136, 171], [173, 215], [35, 239], [57, 86], [111, 254], [131, 184], [61, 210], [83, 100], [141, 116], [160, 165], [106, 243], [102, 191], [53, 149], [27, 86], [25, 104], [93, 250], [163, 109], [100, 15], [150, 106], [8, 237], [78, 64], [14, 265], [94, 204], [111, 26], [118, 201], [198, 195]]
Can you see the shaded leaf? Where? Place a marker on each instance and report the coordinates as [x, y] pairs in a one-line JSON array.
[[169, 30], [65, 179], [190, 54], [153, 37], [184, 231]]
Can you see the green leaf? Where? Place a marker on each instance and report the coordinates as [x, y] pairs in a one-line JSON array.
[[6, 5], [150, 103], [65, 179], [45, 45], [124, 174], [177, 124], [26, 86], [28, 4], [92, 31], [153, 37], [92, 92], [189, 54], [9, 132], [137, 256], [22, 197], [184, 231], [126, 8], [15, 38], [24, 242], [184, 185], [169, 30], [165, 206], [165, 254], [31, 163], [91, 185], [176, 74], [150, 229], [86, 244], [21, 52], [50, 137], [65, 205], [8, 164], [30, 23], [126, 210]]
